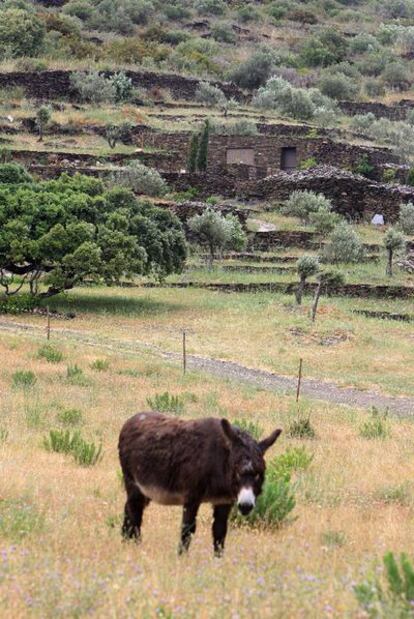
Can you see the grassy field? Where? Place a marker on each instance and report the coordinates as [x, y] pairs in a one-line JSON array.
[[61, 552]]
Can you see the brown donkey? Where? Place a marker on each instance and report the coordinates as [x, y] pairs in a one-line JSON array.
[[176, 462]]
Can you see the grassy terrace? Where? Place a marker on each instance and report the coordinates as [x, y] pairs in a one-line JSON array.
[[260, 330], [61, 550]]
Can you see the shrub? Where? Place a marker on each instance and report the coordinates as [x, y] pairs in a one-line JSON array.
[[4, 434], [393, 242], [209, 95], [93, 87], [176, 12], [396, 75], [301, 427], [87, 454], [377, 426], [210, 7], [362, 122], [273, 505], [406, 218], [223, 33], [122, 87], [100, 364], [374, 88], [302, 203], [255, 71], [166, 403], [50, 353], [306, 267], [16, 304], [75, 375], [217, 232], [24, 378], [392, 598], [324, 220], [333, 538], [14, 173], [239, 127], [344, 245], [338, 86], [364, 166], [61, 441], [247, 13], [21, 33], [70, 417], [250, 427], [116, 133], [140, 179], [364, 42], [294, 459], [202, 153]]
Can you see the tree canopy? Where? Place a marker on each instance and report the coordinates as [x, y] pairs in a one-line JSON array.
[[72, 228]]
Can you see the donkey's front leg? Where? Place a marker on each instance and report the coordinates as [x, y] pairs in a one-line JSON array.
[[188, 527], [221, 516]]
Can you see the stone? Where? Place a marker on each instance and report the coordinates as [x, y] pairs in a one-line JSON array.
[[377, 220]]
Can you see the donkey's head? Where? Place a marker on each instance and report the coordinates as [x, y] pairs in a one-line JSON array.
[[248, 464]]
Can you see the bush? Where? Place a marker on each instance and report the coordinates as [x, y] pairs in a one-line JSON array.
[[24, 378], [238, 127], [250, 427], [406, 218], [70, 417], [223, 33], [218, 233], [209, 95], [14, 173], [93, 87], [344, 245], [338, 86], [273, 505], [101, 365], [210, 7], [21, 33], [396, 75], [176, 12], [17, 304], [140, 179], [301, 427], [364, 42], [122, 87], [166, 403], [302, 203], [75, 375], [363, 122], [324, 220], [50, 353], [377, 427], [364, 166], [294, 459], [61, 441], [255, 71], [395, 597]]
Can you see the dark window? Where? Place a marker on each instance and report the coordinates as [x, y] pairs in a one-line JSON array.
[[288, 158]]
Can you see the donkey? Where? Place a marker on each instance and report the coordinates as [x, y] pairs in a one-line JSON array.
[[175, 462]]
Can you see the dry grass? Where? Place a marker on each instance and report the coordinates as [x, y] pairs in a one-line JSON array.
[[76, 565]]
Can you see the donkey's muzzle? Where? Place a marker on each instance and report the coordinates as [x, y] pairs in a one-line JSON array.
[[245, 508]]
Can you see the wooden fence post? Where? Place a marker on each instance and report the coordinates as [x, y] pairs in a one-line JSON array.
[[48, 324], [184, 353], [299, 380]]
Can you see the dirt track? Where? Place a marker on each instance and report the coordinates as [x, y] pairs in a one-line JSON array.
[[320, 390]]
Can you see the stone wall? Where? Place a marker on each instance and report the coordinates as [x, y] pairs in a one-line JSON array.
[[352, 195], [56, 84]]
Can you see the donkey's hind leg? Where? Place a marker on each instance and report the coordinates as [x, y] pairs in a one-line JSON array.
[[134, 509]]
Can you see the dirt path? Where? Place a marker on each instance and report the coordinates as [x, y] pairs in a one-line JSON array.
[[320, 390]]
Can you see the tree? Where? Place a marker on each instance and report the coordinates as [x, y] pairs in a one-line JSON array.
[[344, 245], [217, 232], [55, 234], [192, 156], [393, 241], [326, 281], [324, 220], [21, 32], [43, 116], [116, 133], [406, 218], [302, 203], [306, 267], [202, 155]]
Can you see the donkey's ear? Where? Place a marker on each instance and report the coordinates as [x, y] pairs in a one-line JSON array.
[[268, 442], [228, 429]]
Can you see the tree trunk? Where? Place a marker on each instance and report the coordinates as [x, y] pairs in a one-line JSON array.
[[316, 301], [389, 263], [299, 291], [211, 260]]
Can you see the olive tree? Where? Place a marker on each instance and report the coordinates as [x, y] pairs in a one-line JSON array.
[[327, 280], [406, 218], [393, 241], [43, 116], [302, 203], [306, 267], [140, 179], [344, 245], [217, 232]]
